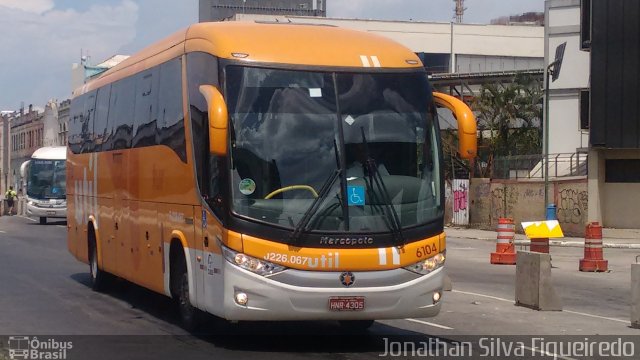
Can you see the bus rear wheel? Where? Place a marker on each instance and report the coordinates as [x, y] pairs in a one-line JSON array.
[[43, 220], [97, 276], [187, 312]]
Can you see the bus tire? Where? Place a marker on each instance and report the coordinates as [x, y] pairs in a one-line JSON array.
[[97, 276], [356, 325], [180, 290], [43, 220]]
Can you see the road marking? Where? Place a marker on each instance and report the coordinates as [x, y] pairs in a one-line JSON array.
[[3, 232], [430, 324], [28, 218], [567, 311], [597, 316], [62, 226], [483, 295]]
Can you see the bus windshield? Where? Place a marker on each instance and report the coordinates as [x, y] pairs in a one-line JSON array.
[[291, 131], [47, 179]]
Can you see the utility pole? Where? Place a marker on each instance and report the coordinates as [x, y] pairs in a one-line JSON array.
[[459, 10], [552, 74]]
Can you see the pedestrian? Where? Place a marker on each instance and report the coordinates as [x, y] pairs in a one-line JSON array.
[[10, 196]]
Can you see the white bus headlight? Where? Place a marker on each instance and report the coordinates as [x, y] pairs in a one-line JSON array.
[[252, 264], [426, 266]]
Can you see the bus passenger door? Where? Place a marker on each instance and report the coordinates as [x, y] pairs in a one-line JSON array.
[[212, 277]]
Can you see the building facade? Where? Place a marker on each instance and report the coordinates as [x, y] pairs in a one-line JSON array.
[[63, 122], [27, 135], [593, 105], [448, 47], [5, 168], [220, 10], [567, 134], [610, 36]]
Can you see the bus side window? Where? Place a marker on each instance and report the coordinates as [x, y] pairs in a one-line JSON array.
[[75, 126], [170, 115], [87, 120], [146, 113], [202, 69], [100, 124], [121, 111]]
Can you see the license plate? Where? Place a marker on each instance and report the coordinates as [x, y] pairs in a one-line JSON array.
[[51, 212], [346, 303]]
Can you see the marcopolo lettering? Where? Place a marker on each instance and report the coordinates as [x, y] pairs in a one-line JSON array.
[[345, 241]]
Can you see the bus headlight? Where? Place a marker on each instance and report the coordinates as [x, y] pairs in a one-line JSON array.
[[428, 265], [252, 264]]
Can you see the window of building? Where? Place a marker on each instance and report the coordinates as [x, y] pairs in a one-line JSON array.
[[622, 171], [585, 25]]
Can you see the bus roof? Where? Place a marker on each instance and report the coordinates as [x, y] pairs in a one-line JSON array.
[[276, 43], [50, 153]]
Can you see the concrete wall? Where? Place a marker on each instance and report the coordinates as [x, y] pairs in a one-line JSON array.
[[572, 203], [524, 201], [480, 203], [615, 205]]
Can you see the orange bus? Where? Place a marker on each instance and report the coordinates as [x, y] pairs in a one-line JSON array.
[[264, 171]]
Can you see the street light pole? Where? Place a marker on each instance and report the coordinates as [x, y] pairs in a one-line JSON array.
[[546, 135], [552, 73]]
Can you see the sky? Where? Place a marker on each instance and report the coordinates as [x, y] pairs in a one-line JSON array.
[[40, 39]]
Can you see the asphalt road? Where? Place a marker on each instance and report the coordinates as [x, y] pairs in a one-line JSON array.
[[45, 292]]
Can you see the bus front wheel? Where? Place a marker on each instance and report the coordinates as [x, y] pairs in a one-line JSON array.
[[43, 220], [188, 313]]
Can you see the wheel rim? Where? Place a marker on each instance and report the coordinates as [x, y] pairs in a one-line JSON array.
[[184, 292], [94, 264]]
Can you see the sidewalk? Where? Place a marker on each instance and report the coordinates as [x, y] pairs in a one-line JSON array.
[[611, 238]]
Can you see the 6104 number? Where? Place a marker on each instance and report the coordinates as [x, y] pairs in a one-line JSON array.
[[426, 250]]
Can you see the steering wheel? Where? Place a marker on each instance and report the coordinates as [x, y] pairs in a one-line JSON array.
[[292, 187]]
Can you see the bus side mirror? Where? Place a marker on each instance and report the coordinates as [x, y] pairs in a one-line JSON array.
[[218, 119], [467, 127]]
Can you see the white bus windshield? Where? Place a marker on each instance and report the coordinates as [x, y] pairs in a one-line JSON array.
[[47, 179]]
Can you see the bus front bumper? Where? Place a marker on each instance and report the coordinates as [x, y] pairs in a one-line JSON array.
[[46, 212], [273, 300]]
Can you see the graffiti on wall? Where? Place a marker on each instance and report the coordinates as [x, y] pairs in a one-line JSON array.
[[503, 201], [460, 202], [572, 206]]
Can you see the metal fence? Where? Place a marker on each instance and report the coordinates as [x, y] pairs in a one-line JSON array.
[[533, 166]]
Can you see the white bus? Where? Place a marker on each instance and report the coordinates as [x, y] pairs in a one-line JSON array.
[[46, 183]]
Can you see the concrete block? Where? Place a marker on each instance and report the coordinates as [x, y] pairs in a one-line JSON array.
[[635, 296], [448, 285], [534, 288]]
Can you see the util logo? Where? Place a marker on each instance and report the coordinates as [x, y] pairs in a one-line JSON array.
[[85, 194]]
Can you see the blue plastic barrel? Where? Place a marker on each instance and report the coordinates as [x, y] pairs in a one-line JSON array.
[[551, 212]]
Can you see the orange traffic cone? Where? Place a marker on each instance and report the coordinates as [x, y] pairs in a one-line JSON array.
[[505, 249], [593, 257]]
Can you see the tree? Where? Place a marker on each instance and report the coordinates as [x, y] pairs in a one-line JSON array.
[[509, 118]]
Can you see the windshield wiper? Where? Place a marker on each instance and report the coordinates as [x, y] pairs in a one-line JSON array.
[[393, 221], [324, 190]]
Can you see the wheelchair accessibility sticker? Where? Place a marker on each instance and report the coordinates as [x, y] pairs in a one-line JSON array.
[[355, 195]]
